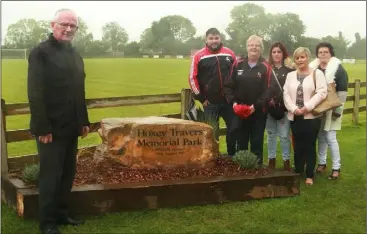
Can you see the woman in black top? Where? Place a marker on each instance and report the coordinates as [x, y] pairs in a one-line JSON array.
[[277, 123]]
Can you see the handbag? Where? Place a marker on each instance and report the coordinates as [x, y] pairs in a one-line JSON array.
[[330, 102], [194, 113], [276, 109]]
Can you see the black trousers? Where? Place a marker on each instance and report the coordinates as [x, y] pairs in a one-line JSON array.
[[212, 112], [57, 172], [305, 132], [250, 130]]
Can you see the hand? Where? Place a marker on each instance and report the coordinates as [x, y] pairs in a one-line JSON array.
[[45, 139], [234, 104], [298, 112], [252, 108], [85, 131], [206, 103], [304, 110]]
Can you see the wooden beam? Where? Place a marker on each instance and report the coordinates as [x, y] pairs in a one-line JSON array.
[[19, 162], [186, 97], [98, 199], [23, 108], [4, 146], [352, 85], [25, 135], [356, 95], [351, 98]]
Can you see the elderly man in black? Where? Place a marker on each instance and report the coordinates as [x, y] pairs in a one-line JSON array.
[[59, 116]]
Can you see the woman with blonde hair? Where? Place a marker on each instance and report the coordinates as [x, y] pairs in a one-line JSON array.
[[304, 89], [247, 89]]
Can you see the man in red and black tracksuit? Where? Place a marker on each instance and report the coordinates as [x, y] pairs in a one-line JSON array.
[[210, 67], [250, 84]]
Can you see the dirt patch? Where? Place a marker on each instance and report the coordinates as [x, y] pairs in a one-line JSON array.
[[109, 172]]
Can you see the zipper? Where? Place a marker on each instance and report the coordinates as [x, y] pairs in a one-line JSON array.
[[220, 76]]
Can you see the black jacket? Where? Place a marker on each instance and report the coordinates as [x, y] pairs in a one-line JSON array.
[[56, 91], [208, 72], [248, 85], [276, 92]]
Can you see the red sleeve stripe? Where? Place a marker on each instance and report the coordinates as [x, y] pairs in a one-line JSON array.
[[193, 81]]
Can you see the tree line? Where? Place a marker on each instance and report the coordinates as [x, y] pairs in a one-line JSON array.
[[175, 35]]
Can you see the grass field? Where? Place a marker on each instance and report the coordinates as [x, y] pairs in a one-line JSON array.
[[327, 207]]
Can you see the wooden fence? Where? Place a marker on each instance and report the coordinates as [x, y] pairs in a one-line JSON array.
[[18, 162]]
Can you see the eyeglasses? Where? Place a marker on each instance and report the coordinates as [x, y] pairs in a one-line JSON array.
[[73, 27], [254, 45]]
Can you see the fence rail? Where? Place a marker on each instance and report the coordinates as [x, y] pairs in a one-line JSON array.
[[18, 162]]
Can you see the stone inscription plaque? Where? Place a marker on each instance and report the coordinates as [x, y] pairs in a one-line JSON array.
[[152, 142]]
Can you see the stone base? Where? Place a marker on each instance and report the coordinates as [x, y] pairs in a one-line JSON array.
[[101, 199]]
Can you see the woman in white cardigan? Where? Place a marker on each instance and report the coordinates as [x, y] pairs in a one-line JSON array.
[[299, 100], [332, 120]]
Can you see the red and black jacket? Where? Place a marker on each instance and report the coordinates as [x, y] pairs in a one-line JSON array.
[[249, 86], [208, 72]]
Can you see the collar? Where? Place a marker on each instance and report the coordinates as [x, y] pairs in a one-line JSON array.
[[59, 44]]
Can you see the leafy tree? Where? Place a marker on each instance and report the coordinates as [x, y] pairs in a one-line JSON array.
[[114, 35], [247, 19], [82, 38], [26, 33]]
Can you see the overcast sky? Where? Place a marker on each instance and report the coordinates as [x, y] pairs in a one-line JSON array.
[[321, 18]]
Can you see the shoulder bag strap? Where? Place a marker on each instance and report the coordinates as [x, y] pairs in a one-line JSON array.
[[314, 78], [276, 78]]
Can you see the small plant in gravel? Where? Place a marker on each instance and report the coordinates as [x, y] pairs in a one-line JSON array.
[[30, 174], [246, 159]]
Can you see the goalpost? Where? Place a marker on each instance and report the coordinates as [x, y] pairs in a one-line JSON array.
[[14, 54]]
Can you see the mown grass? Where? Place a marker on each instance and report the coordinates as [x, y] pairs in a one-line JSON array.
[[327, 207], [117, 77]]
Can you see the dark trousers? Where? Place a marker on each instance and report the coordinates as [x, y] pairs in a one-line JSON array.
[[212, 113], [57, 171], [250, 130], [305, 133]]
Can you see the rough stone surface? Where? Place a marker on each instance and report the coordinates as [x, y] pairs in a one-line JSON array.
[[157, 142]]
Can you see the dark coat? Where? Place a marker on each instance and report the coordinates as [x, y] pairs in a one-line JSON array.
[[56, 89]]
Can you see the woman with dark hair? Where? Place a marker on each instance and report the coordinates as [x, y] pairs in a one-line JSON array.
[[277, 123], [331, 122]]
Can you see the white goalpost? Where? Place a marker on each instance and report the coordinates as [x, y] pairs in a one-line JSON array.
[[14, 54]]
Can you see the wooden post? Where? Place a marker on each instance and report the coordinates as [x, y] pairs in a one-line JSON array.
[[4, 146], [186, 97], [357, 87]]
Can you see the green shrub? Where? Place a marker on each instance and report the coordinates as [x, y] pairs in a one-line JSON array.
[[30, 174], [246, 159]]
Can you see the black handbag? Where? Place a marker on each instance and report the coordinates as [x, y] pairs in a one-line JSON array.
[[194, 113], [275, 106]]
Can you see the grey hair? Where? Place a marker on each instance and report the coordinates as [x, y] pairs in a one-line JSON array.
[[258, 39], [57, 14]]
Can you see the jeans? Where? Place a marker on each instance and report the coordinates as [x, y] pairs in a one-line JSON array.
[[278, 128], [212, 113], [328, 138], [305, 133]]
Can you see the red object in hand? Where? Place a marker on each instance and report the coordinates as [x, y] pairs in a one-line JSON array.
[[243, 111]]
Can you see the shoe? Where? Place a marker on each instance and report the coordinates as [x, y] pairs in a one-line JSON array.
[[320, 168], [309, 181], [70, 221], [271, 164], [50, 230], [286, 165], [334, 174]]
